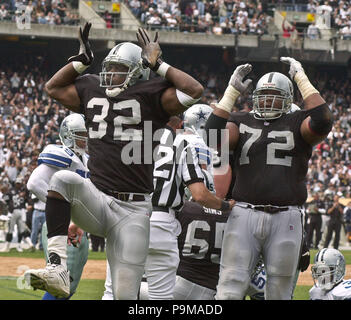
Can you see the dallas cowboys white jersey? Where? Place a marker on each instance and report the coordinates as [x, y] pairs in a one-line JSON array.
[[257, 284], [61, 157], [341, 292]]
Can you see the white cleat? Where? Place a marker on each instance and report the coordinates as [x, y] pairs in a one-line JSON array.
[[19, 248], [6, 247], [54, 278]]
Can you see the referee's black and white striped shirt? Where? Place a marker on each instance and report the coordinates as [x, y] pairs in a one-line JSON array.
[[178, 165]]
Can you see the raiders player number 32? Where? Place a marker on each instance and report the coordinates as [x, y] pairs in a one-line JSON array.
[[115, 202]]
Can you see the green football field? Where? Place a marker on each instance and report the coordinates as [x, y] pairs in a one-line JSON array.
[[11, 288]]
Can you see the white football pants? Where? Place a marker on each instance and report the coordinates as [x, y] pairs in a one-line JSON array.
[[249, 233], [124, 224]]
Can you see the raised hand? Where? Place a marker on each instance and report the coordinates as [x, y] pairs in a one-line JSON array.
[[85, 54], [236, 80], [151, 51], [295, 66]]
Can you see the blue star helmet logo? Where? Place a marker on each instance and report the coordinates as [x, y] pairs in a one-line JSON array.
[[201, 115]]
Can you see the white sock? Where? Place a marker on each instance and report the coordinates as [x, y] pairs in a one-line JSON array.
[[58, 245]]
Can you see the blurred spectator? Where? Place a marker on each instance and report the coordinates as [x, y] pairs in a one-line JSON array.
[[96, 243], [135, 7], [312, 6], [61, 8], [345, 32], [287, 30], [335, 222], [108, 18], [3, 12], [41, 12], [347, 218], [313, 31]]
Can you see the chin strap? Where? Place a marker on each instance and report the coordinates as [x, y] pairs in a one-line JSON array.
[[114, 92]]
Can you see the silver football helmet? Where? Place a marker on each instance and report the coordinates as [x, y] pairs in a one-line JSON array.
[[268, 106], [195, 118], [328, 269], [129, 55], [69, 129]]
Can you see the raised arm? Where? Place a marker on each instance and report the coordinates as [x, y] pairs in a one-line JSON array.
[[315, 128], [61, 85], [185, 90], [219, 117]]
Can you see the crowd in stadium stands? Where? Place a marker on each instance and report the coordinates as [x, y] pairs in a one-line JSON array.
[[42, 12], [29, 120], [217, 16]]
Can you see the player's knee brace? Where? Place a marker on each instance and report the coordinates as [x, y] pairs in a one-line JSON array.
[[58, 217]]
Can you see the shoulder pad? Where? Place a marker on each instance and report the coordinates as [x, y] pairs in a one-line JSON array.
[[56, 155]]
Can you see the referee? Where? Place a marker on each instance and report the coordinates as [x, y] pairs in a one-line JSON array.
[[183, 160]]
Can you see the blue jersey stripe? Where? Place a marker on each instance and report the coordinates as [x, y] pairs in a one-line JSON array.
[[56, 157], [203, 154], [53, 163]]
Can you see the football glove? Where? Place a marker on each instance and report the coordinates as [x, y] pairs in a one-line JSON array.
[[305, 257], [85, 54], [236, 80], [151, 51], [295, 66]]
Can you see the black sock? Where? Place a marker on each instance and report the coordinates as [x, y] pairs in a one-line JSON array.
[[58, 217]]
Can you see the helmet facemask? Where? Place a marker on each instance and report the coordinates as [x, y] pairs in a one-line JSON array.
[[271, 105], [273, 96], [328, 269], [324, 276], [122, 68], [73, 134], [107, 77]]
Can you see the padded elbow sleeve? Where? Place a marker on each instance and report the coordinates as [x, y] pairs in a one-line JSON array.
[[321, 120]]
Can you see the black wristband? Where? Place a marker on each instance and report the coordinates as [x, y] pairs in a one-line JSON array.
[[157, 65], [225, 206]]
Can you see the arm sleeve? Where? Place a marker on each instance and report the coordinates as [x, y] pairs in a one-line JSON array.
[[191, 170], [39, 181], [321, 119], [215, 123]]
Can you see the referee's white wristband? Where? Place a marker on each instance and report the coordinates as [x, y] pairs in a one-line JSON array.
[[162, 69], [79, 66]]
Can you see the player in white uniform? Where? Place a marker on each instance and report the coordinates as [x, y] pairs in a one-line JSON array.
[[71, 155], [328, 274]]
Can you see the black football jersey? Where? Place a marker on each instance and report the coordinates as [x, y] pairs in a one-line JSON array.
[[200, 243], [270, 160], [120, 131], [18, 198]]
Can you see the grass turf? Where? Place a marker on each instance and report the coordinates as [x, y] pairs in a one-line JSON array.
[[11, 288]]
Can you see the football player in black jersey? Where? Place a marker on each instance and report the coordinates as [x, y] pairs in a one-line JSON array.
[[271, 148], [115, 202], [17, 198]]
